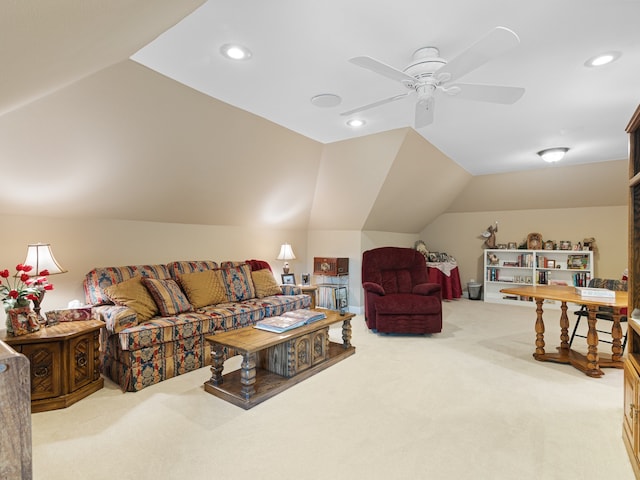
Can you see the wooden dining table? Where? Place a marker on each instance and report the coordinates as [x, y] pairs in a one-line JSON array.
[[593, 361]]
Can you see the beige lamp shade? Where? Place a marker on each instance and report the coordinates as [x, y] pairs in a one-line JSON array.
[[286, 254], [40, 257]]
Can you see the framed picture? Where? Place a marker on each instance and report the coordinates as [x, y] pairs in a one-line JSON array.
[[341, 297], [434, 256], [306, 279], [23, 321], [513, 245], [288, 279], [551, 264]]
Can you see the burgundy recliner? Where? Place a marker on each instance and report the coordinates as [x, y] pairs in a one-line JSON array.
[[398, 297]]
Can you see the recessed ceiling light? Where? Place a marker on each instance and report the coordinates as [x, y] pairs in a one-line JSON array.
[[235, 52], [555, 154], [602, 59], [355, 122], [326, 100]]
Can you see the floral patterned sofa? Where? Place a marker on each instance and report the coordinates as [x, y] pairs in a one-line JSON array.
[[156, 316]]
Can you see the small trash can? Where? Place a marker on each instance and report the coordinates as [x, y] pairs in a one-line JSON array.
[[474, 290]]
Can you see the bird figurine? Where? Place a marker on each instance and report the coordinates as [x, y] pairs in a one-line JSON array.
[[490, 236]]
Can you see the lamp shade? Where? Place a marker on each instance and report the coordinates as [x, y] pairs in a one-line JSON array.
[[40, 257], [286, 253]]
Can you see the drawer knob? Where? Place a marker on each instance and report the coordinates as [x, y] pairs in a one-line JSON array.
[[81, 360]]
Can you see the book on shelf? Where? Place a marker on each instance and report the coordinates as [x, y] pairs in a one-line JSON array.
[[590, 292], [289, 320]]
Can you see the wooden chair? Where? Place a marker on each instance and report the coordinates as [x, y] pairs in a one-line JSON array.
[[603, 313]]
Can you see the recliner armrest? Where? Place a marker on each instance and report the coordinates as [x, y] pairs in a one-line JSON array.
[[373, 288], [426, 288]]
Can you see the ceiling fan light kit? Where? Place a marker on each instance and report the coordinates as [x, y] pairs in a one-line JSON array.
[[428, 74]]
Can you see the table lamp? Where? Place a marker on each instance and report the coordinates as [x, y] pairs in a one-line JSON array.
[[40, 257], [286, 254]]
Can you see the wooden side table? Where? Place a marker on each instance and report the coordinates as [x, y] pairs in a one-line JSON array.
[[310, 290], [65, 363]]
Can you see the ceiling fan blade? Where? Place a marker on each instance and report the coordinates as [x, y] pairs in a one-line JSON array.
[[376, 104], [382, 69], [493, 44], [487, 93], [424, 112]]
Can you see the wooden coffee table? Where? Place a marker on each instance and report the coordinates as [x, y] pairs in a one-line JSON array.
[[273, 362]]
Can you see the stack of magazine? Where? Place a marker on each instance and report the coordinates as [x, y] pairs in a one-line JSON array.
[[289, 320]]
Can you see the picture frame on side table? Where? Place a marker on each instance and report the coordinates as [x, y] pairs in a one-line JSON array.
[[306, 279], [340, 294], [288, 279], [23, 320]]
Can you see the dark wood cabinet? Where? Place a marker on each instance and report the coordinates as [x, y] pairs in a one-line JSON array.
[[64, 361]]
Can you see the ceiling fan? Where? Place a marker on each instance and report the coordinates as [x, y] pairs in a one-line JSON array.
[[428, 74]]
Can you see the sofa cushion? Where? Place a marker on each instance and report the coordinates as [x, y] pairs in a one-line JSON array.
[[265, 283], [133, 294], [190, 266], [203, 288], [169, 299], [100, 278], [237, 280]]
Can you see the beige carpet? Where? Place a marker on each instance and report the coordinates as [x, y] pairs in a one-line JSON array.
[[469, 403]]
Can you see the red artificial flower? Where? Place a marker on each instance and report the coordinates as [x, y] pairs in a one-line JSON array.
[[4, 273], [44, 272], [48, 286], [33, 298], [13, 294], [24, 277]]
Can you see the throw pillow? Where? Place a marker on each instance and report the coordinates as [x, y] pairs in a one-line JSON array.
[[203, 288], [265, 283], [133, 294], [237, 280], [168, 296]]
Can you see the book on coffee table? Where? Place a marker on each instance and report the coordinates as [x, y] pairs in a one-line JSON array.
[[289, 320]]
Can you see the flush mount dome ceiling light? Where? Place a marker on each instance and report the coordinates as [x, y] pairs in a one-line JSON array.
[[602, 59], [555, 154], [326, 100], [235, 52]]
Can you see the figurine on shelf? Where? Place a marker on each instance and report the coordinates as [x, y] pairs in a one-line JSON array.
[[490, 236]]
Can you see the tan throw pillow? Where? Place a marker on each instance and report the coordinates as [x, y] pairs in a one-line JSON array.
[[203, 288], [133, 294], [265, 283]]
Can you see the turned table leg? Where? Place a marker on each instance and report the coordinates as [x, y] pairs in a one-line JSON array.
[[248, 375], [346, 333], [539, 330], [593, 369], [217, 363], [564, 327], [616, 334]]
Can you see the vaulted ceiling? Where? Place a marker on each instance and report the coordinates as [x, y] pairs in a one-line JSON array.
[[87, 132]]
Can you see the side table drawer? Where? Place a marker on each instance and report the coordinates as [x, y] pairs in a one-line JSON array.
[[46, 362]]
